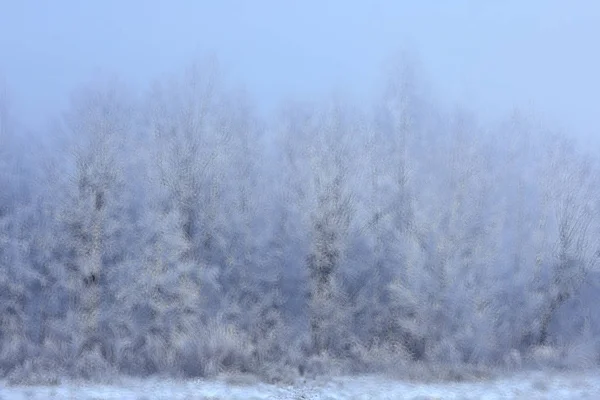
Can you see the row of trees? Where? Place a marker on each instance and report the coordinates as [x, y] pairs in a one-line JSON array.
[[178, 234]]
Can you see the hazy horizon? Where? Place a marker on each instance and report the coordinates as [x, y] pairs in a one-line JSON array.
[[536, 56]]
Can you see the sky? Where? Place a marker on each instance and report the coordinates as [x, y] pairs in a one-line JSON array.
[[491, 56]]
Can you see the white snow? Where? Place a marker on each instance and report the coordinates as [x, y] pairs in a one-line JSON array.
[[536, 385]]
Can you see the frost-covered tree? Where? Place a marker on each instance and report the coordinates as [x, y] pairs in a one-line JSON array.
[[22, 275], [324, 155], [12, 288], [389, 204], [182, 235], [252, 274], [94, 216], [205, 170], [571, 235], [458, 240], [515, 155], [190, 141]]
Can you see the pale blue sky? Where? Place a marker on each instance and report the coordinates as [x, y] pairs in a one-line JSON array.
[[491, 55]]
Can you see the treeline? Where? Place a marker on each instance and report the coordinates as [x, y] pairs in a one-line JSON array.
[[175, 233]]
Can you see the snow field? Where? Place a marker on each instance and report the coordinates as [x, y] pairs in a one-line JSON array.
[[535, 385]]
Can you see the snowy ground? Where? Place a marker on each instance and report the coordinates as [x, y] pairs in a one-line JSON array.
[[525, 386]]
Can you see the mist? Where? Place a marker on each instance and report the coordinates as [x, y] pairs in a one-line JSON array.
[[298, 190], [492, 57]]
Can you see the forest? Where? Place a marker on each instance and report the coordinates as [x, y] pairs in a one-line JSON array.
[[174, 232]]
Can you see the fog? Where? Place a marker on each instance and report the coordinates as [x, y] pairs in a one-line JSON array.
[[538, 55], [298, 191]]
